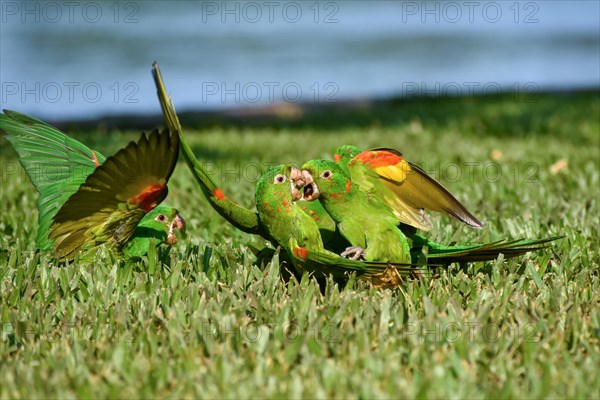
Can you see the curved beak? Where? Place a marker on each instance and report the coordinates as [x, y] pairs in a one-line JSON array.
[[297, 183], [178, 223], [311, 191]]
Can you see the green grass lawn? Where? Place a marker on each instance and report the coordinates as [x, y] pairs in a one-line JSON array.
[[203, 320]]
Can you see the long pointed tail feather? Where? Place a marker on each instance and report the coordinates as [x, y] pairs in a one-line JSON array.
[[486, 252], [379, 274]]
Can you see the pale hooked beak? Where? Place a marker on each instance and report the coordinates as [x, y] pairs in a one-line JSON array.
[[303, 180], [178, 223], [297, 183]]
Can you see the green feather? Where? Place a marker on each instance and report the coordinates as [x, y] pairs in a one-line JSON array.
[[56, 164], [117, 195], [367, 221], [298, 234], [59, 166], [442, 254]]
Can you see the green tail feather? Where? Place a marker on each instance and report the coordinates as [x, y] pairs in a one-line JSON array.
[[324, 262], [56, 164], [441, 254]]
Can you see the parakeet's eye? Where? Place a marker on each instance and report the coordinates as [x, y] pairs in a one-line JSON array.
[[280, 178], [326, 174], [161, 218]]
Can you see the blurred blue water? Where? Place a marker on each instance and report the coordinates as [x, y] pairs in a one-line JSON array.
[[85, 59]]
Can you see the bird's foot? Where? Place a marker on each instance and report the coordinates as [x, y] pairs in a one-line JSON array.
[[354, 253]]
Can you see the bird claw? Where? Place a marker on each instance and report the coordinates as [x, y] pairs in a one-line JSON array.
[[354, 253]]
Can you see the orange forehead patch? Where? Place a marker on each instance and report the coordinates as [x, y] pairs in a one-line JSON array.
[[378, 159]]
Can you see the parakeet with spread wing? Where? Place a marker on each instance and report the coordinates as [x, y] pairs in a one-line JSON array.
[[242, 218], [366, 216], [403, 185], [86, 199], [295, 231]]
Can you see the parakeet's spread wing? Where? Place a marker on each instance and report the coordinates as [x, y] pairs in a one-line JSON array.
[[240, 217], [56, 164], [116, 196], [413, 188], [364, 170]]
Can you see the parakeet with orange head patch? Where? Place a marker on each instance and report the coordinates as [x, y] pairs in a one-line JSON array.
[[299, 235], [367, 215], [408, 189], [279, 218]]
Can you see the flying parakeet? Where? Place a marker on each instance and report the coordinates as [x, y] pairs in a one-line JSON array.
[[370, 221], [86, 199]]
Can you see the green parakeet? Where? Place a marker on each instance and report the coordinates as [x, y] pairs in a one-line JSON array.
[[406, 188], [299, 235], [240, 217], [86, 199], [296, 232], [371, 224]]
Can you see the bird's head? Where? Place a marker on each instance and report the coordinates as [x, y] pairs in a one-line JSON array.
[[276, 184], [167, 219], [325, 179]]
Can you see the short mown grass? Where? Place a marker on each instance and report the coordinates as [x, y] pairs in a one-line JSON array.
[[204, 320]]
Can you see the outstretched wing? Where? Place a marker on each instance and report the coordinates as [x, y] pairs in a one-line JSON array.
[[56, 164], [414, 190], [117, 195], [242, 218]]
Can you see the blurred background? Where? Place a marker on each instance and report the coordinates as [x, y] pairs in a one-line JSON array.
[[85, 59]]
